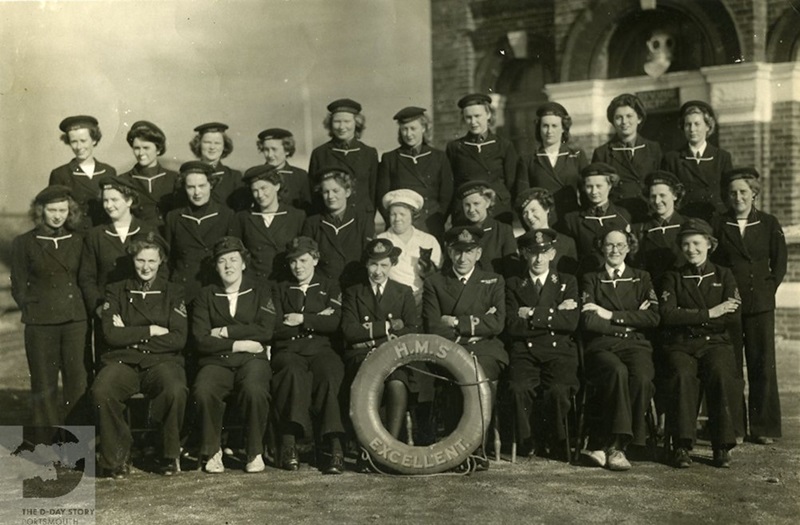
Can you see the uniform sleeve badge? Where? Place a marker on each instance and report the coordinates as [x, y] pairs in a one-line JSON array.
[[270, 308], [652, 296], [181, 309], [736, 294], [665, 296]]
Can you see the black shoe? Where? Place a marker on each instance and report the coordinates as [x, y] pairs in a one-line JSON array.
[[336, 464], [120, 472], [481, 463], [681, 459], [169, 467], [722, 458], [289, 458]]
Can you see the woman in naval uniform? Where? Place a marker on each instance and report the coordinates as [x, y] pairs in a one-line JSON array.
[[416, 166], [105, 257], [345, 151], [192, 230], [44, 283], [233, 322], [211, 144], [629, 153], [619, 307], [82, 134], [308, 372], [555, 166], [156, 184], [144, 323], [268, 227], [482, 155], [341, 231], [699, 165], [497, 243], [752, 245], [278, 145]]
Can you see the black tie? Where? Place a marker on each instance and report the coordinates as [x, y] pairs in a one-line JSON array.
[[464, 281], [598, 211], [146, 286], [617, 274], [378, 294], [629, 151], [538, 285]]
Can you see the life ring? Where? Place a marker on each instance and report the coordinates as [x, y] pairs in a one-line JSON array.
[[367, 390]]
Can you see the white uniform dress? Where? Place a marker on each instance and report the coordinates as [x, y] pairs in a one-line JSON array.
[[407, 271]]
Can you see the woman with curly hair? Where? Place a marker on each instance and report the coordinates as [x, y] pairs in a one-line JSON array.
[[416, 166], [699, 165], [82, 134], [618, 306], [629, 153], [211, 144], [555, 166], [345, 124], [44, 283], [278, 145], [341, 231]]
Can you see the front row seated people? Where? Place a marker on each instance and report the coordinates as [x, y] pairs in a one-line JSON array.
[[144, 323], [374, 311], [619, 305], [232, 325], [467, 305], [699, 304], [308, 372], [542, 315]]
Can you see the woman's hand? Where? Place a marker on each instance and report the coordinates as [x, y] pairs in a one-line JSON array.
[[725, 307], [248, 346], [599, 310], [157, 330], [293, 319]]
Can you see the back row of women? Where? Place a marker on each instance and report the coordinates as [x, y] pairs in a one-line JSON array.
[[68, 264]]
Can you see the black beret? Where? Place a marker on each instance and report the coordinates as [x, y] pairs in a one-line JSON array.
[[598, 168], [473, 99], [470, 187], [228, 244], [408, 114], [301, 246], [704, 106], [661, 177], [54, 193], [695, 226], [344, 104], [274, 134], [262, 172], [152, 238], [378, 249], [196, 166], [211, 126], [117, 182], [529, 195], [463, 237], [147, 125], [739, 173], [537, 241], [551, 108], [77, 121]]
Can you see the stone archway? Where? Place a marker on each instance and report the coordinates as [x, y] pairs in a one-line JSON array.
[[783, 44], [612, 23]]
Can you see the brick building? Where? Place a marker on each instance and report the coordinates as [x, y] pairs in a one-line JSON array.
[[742, 56]]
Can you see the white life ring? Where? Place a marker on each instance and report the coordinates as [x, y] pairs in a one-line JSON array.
[[367, 390]]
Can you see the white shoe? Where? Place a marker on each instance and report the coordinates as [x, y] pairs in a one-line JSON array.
[[616, 460], [214, 464], [597, 457], [255, 465]]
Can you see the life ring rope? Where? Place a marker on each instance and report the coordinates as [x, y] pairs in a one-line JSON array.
[[448, 379], [458, 449]]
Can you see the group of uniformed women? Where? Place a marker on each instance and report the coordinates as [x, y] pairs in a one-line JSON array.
[[243, 276]]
